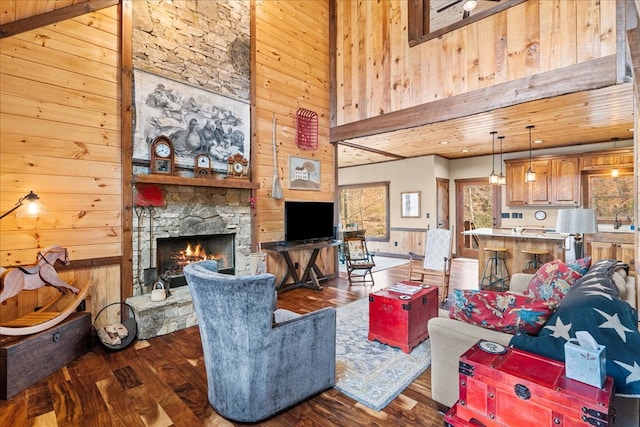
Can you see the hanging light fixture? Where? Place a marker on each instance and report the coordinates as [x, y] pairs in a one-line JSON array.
[[530, 176], [493, 178], [502, 179]]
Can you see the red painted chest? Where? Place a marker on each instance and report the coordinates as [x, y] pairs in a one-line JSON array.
[[518, 388], [400, 320]]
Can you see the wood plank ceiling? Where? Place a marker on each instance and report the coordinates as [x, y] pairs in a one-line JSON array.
[[599, 115]]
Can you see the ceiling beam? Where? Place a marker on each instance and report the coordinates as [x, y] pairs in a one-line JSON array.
[[584, 76], [57, 15], [371, 150]]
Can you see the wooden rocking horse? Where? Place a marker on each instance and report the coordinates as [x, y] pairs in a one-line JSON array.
[[41, 273]]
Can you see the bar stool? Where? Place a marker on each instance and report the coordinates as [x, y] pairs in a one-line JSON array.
[[534, 263], [495, 269]]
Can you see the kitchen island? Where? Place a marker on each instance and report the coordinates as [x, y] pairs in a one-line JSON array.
[[514, 243]]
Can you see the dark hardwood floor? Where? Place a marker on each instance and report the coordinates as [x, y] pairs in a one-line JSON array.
[[162, 382]]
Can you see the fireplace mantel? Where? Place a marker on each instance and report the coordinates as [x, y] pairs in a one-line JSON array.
[[194, 182]]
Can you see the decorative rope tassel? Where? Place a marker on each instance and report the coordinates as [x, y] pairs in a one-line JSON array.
[[276, 192]]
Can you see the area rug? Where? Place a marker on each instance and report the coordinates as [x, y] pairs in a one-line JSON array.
[[368, 371]]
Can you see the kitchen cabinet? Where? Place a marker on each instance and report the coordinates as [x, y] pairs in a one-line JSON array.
[[618, 246], [622, 158], [557, 182], [565, 182]]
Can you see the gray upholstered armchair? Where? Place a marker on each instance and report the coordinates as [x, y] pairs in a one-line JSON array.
[[259, 360]]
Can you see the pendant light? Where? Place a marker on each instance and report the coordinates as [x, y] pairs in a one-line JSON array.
[[493, 178], [530, 176], [502, 179]]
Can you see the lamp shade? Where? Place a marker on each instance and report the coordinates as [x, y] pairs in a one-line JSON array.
[[574, 221]]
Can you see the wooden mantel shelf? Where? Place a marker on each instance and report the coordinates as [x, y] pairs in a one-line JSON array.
[[194, 182]]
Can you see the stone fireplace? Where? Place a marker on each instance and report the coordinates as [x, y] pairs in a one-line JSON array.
[[189, 223]]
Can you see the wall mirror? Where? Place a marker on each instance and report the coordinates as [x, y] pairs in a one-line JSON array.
[[432, 18]]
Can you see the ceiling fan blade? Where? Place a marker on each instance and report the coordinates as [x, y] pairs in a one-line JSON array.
[[449, 5]]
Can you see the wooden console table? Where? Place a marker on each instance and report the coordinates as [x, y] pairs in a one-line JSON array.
[[312, 273]]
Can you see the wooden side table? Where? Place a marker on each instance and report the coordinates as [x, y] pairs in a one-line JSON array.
[[400, 320]]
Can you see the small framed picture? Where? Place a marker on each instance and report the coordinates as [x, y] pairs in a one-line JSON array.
[[410, 204], [304, 173]]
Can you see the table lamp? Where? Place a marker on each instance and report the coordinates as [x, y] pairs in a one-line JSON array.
[[577, 222]]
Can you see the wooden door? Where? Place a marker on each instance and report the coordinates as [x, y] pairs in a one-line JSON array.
[[442, 201]]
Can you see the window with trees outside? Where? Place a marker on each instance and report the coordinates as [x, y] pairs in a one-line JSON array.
[[366, 206], [610, 195]]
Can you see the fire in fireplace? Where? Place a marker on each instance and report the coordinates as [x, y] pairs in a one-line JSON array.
[[174, 253]]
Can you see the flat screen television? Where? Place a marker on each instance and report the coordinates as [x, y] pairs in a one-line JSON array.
[[308, 221]]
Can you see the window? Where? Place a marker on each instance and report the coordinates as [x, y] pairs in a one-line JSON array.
[[366, 206], [609, 195]]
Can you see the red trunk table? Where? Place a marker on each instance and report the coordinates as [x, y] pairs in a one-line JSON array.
[[400, 320], [509, 387]]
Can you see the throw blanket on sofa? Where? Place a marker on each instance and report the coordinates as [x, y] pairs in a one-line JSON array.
[[593, 305]]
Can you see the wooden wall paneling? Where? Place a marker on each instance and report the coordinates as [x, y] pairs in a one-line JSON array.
[[59, 148], [69, 238], [557, 34], [60, 105], [609, 32], [106, 20], [33, 127], [471, 50], [384, 78], [43, 55], [488, 65], [73, 98], [588, 29], [550, 42], [87, 48], [85, 252], [290, 69], [360, 95], [96, 176], [522, 46], [376, 55]]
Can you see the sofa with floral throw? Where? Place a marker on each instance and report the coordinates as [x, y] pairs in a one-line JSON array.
[[538, 314]]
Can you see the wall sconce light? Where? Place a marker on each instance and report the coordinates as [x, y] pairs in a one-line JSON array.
[[502, 179], [530, 176], [615, 172], [493, 178], [30, 207]]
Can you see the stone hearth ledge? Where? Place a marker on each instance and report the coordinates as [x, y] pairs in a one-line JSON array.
[[163, 317]]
